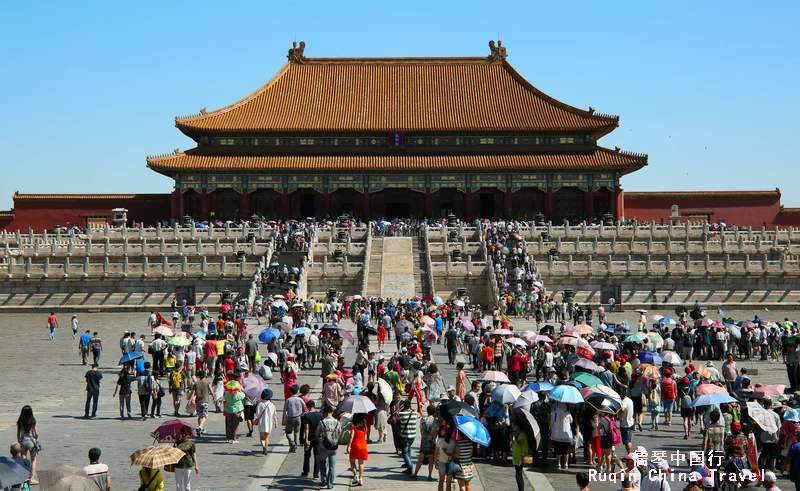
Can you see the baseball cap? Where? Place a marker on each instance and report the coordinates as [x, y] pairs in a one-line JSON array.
[[770, 476], [404, 350], [736, 426], [661, 465], [708, 482], [695, 477], [630, 456], [450, 387]]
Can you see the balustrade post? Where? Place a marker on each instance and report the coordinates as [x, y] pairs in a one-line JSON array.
[[46, 266], [184, 264], [66, 266], [216, 246], [223, 265], [164, 265], [203, 264], [105, 265], [106, 247], [125, 263], [125, 246], [176, 230], [87, 266], [227, 230], [158, 230], [669, 263], [747, 263], [145, 265]]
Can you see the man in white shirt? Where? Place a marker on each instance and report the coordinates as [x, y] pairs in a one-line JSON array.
[[656, 478], [634, 475], [626, 419]]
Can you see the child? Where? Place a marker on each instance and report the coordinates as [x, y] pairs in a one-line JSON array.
[[582, 478], [219, 390], [519, 449], [371, 364]]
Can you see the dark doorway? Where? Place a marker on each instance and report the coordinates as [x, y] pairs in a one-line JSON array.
[[307, 206], [397, 210], [447, 209], [347, 209], [487, 206]]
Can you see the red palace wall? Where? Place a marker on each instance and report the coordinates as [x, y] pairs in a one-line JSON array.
[[47, 212]]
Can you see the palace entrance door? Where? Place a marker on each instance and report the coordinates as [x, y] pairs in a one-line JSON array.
[[307, 206], [397, 210]]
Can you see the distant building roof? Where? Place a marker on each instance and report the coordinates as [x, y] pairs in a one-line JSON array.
[[82, 197], [776, 193]]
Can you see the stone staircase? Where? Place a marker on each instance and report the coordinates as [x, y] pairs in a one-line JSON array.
[[375, 265], [422, 286]]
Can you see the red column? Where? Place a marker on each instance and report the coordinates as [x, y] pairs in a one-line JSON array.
[[176, 205], [205, 205], [619, 207], [468, 204], [588, 204], [286, 205], [245, 204], [428, 203], [365, 205], [326, 202], [548, 204], [507, 203]]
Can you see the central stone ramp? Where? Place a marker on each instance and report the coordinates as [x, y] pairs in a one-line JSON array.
[[397, 268]]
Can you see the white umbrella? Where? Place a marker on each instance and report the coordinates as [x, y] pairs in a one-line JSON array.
[[516, 342], [385, 390], [526, 398], [762, 417], [356, 405], [506, 393], [494, 376], [671, 357]]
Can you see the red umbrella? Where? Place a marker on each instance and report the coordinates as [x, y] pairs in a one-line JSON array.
[[170, 431]]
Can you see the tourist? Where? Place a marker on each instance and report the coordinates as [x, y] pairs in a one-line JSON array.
[[83, 346], [582, 479], [434, 383], [157, 399], [669, 392], [329, 430], [151, 479], [292, 411], [311, 441], [451, 342], [626, 420], [443, 453], [93, 378], [463, 456], [266, 418], [233, 398], [189, 461], [28, 438], [52, 324], [145, 389], [96, 345], [74, 324], [561, 431], [426, 443], [519, 449], [357, 448], [177, 387], [203, 395], [407, 431], [124, 381]]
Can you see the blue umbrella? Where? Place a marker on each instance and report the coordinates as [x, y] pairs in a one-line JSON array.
[[300, 331], [566, 394], [635, 338], [667, 320], [650, 357], [12, 473], [711, 399], [438, 300], [473, 430], [539, 387], [269, 334], [792, 415], [130, 357], [199, 334]]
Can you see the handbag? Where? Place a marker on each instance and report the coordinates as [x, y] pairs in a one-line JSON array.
[[169, 468], [453, 467]]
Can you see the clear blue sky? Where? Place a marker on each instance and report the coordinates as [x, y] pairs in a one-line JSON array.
[[707, 89]]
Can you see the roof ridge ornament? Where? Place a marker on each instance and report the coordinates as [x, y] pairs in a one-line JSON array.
[[497, 53], [296, 52]]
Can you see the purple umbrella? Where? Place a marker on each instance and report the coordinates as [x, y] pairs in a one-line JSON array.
[[343, 332], [468, 325], [253, 386], [586, 364]]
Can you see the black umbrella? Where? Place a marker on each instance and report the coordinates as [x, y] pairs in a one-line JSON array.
[[452, 408], [603, 403], [368, 329]]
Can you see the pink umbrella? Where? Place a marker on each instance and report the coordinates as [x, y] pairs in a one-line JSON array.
[[769, 391], [584, 329], [468, 325], [253, 386], [163, 330], [494, 376], [429, 334], [343, 332], [704, 389], [536, 289], [181, 334], [571, 333], [641, 311], [604, 346], [273, 357], [428, 321], [501, 332], [583, 326], [540, 337], [657, 317], [705, 322], [170, 431]]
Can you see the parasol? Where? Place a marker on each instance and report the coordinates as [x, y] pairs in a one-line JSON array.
[[438, 300], [704, 322], [635, 338], [704, 389], [429, 334], [156, 456], [402, 325], [712, 399], [73, 483], [268, 335], [656, 339], [12, 473], [516, 342], [671, 357], [253, 386], [233, 386], [468, 325], [540, 337], [746, 324], [50, 476], [283, 326], [525, 399], [571, 333], [650, 357], [648, 371], [501, 332], [769, 391], [506, 393], [762, 417], [539, 387], [385, 390], [585, 364], [604, 346], [584, 330], [300, 331], [641, 311], [566, 394], [356, 405], [163, 330], [473, 430], [656, 317], [494, 376], [451, 408], [792, 415], [170, 431], [532, 425], [178, 341], [128, 357], [668, 320], [458, 303], [428, 321], [587, 379]]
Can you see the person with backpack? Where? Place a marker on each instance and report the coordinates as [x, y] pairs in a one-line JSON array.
[[146, 389], [669, 392], [653, 391], [150, 479], [610, 436], [177, 387], [329, 431]]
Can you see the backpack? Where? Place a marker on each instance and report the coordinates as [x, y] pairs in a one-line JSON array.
[[331, 436], [175, 379], [616, 435], [344, 435], [147, 385]]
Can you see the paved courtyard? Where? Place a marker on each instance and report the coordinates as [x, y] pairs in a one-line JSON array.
[[49, 376]]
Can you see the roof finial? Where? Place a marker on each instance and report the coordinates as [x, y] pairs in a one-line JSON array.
[[296, 52], [591, 110], [497, 53], [177, 151], [203, 111]]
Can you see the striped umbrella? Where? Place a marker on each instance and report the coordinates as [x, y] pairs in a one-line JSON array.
[[156, 456]]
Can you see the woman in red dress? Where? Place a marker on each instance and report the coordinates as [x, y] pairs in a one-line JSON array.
[[357, 448]]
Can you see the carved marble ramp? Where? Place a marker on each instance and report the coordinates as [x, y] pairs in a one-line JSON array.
[[397, 268]]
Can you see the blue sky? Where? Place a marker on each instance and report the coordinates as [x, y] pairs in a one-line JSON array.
[[707, 89]]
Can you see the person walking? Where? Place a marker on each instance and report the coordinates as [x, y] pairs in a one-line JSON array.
[[146, 388], [52, 324], [151, 479], [74, 324], [183, 469], [157, 350], [177, 387], [93, 378], [233, 407], [451, 343], [28, 438], [96, 471], [311, 441], [329, 430], [266, 418], [124, 380], [96, 345], [357, 448], [407, 423], [203, 395], [83, 346], [292, 411], [251, 350]]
